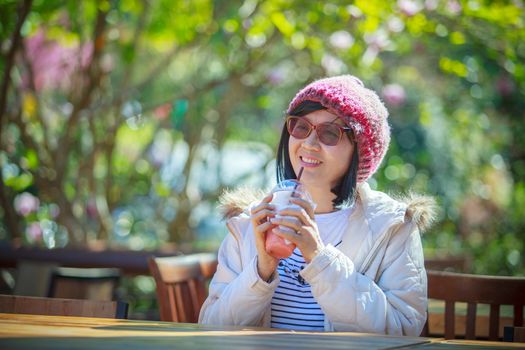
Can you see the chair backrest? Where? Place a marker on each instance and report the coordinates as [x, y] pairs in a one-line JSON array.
[[84, 283], [181, 285], [473, 290], [46, 279], [33, 278], [62, 307]]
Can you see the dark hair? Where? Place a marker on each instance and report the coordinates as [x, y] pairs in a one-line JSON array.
[[346, 189]]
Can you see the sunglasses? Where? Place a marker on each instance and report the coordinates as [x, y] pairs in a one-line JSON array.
[[328, 133]]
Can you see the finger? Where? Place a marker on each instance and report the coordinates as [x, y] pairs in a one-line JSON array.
[[264, 204], [261, 207], [264, 227], [268, 198], [291, 222], [306, 205], [261, 216]]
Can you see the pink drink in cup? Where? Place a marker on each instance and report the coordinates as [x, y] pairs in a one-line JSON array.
[[276, 246]]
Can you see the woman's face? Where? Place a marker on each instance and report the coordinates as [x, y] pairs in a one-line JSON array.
[[324, 166]]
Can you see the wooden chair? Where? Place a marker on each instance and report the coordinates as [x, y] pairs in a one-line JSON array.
[[46, 279], [32, 278], [181, 285], [514, 334], [84, 283], [475, 289], [62, 307]]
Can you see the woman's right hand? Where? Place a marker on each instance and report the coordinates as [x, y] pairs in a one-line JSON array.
[[266, 264]]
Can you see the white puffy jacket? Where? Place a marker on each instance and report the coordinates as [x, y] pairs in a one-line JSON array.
[[373, 285]]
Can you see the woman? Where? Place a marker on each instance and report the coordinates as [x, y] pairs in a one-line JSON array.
[[358, 265]]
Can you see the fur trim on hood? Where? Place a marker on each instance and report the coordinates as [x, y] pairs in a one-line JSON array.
[[421, 209], [234, 202]]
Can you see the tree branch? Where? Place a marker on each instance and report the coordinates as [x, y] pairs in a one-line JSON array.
[[23, 11], [94, 72], [109, 145], [45, 142]]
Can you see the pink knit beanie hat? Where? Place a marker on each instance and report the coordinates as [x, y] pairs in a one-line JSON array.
[[361, 109]]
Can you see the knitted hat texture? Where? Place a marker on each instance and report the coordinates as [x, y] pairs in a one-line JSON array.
[[359, 108]]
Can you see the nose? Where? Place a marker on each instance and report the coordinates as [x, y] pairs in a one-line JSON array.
[[312, 141]]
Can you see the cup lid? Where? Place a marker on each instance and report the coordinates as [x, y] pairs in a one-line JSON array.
[[295, 186]]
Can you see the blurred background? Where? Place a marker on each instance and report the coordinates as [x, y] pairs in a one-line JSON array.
[[122, 121]]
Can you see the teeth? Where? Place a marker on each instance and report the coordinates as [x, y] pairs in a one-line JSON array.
[[310, 161]]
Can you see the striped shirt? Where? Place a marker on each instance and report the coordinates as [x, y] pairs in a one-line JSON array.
[[293, 305]]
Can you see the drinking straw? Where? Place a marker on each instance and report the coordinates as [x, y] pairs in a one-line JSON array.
[[298, 179]]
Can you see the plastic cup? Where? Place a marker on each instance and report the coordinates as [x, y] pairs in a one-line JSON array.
[[276, 246]]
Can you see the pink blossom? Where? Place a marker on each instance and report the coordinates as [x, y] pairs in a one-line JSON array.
[[377, 40], [354, 11], [431, 5], [341, 40], [53, 64], [409, 7], [34, 232], [454, 7], [394, 94], [26, 203], [395, 24], [274, 77], [332, 65], [278, 74]]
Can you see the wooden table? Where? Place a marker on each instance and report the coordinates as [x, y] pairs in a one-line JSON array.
[[459, 344], [53, 332]]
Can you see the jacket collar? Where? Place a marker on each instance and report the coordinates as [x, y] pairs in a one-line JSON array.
[[373, 204]]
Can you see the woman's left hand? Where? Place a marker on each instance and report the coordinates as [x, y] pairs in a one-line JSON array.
[[300, 218]]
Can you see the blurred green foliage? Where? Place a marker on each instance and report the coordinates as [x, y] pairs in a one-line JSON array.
[[125, 119]]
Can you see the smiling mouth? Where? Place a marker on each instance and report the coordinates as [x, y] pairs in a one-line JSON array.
[[310, 161]]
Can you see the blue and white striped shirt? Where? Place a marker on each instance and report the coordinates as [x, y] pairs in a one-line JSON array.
[[293, 305]]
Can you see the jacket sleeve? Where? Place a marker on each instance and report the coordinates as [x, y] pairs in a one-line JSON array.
[[396, 303], [237, 294]]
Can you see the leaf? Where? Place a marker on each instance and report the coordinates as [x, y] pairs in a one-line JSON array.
[[280, 21], [31, 159], [21, 182]]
